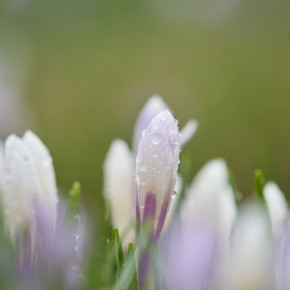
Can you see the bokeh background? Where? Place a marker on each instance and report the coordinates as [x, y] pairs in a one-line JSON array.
[[78, 72]]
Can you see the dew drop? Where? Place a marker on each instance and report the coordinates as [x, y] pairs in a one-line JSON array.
[[174, 194], [155, 154], [173, 130], [156, 139], [141, 206], [142, 168], [76, 237], [77, 217]]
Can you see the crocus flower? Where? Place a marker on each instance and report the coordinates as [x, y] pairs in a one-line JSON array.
[[277, 207], [1, 168], [118, 188], [282, 258], [211, 194], [156, 172], [251, 263], [189, 255], [120, 161], [156, 169], [29, 180]]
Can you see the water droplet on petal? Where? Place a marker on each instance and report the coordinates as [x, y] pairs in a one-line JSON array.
[[156, 139], [174, 194], [142, 168], [77, 217], [155, 154], [173, 129]]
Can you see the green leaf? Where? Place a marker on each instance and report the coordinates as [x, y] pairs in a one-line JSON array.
[[128, 276], [259, 185], [114, 258], [237, 194], [118, 251], [74, 201]]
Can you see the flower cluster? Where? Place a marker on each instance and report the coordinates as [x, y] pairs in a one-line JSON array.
[[169, 233]]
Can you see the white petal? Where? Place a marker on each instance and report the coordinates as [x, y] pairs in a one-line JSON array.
[[20, 186], [2, 178], [45, 176], [277, 206], [188, 131], [212, 195], [119, 189], [174, 202], [251, 265]]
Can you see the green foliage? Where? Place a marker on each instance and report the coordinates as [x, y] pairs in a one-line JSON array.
[[237, 194], [120, 269], [259, 186], [74, 200]]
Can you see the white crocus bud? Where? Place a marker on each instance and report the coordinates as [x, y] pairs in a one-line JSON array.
[[44, 171], [29, 182], [251, 261], [156, 169], [211, 195], [211, 192], [119, 189], [277, 206]]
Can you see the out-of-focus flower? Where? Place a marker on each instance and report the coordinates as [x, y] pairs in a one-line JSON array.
[[188, 131], [1, 168], [156, 169], [277, 207], [251, 263], [29, 180], [118, 188], [188, 255], [119, 161], [282, 258], [212, 195]]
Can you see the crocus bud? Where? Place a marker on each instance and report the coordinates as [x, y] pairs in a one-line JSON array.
[[277, 206], [156, 170], [188, 252], [29, 180], [45, 176], [118, 189], [152, 108], [1, 170], [211, 193], [252, 261]]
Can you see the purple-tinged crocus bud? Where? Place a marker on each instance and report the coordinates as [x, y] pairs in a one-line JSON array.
[[189, 255], [152, 108], [156, 170]]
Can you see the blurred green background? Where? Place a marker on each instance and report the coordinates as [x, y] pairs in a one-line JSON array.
[[84, 69]]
